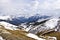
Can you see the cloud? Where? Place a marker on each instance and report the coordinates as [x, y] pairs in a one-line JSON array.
[[19, 7], [4, 1], [51, 4], [29, 7]]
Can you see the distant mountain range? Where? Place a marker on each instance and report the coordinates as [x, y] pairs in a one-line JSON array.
[[19, 20]]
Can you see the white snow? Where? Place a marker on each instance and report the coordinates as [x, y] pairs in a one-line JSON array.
[[8, 25], [34, 36], [51, 23], [5, 17], [27, 29], [43, 19], [1, 38], [52, 38], [23, 25], [37, 38]]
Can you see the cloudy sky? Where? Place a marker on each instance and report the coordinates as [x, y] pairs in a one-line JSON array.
[[30, 7]]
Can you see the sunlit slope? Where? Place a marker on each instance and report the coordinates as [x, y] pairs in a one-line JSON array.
[[13, 35]]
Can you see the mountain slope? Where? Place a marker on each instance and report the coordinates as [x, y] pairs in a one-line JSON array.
[[8, 25], [42, 26], [9, 34]]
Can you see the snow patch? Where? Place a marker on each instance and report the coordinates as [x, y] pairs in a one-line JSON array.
[[5, 17], [34, 36], [8, 25], [51, 23]]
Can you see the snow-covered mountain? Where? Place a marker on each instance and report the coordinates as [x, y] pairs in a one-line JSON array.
[[34, 27], [32, 24], [5, 17], [47, 24], [16, 20]]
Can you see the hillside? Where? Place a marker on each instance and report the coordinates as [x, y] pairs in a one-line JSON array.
[[14, 35]]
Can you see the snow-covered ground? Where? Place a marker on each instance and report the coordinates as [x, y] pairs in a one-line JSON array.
[[8, 25], [52, 23], [34, 36], [38, 38]]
